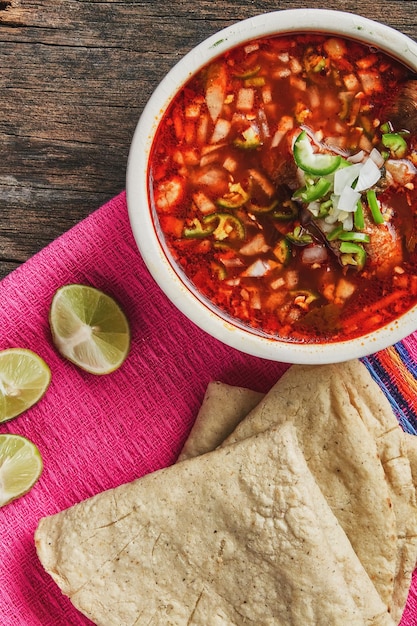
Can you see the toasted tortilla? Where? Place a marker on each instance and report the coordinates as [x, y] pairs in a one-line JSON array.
[[397, 451], [242, 535], [376, 413], [342, 455], [223, 407]]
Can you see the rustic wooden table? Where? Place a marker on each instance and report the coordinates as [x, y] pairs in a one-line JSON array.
[[74, 78]]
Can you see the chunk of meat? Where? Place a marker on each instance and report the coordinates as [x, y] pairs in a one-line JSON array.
[[385, 249], [280, 169]]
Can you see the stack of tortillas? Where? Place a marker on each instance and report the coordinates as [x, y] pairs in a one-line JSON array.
[[293, 508]]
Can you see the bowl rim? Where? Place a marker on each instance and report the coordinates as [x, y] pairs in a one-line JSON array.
[[186, 299]]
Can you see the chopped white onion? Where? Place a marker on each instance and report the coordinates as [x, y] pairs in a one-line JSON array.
[[263, 123], [215, 95], [232, 263], [203, 203], [257, 245], [357, 157], [314, 254], [255, 300], [348, 222], [251, 47], [245, 99], [314, 208], [331, 219], [348, 199], [291, 279], [277, 138], [345, 176], [324, 226], [369, 175], [310, 132], [377, 157], [329, 144], [344, 289], [277, 283], [221, 130], [333, 214], [257, 269], [336, 145]]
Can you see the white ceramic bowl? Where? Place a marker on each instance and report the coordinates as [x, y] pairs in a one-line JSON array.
[[170, 278]]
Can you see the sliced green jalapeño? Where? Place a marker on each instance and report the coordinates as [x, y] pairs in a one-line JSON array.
[[396, 144], [314, 191], [225, 226], [220, 225], [353, 254], [315, 163]]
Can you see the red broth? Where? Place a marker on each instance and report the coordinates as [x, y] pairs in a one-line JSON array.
[[266, 234]]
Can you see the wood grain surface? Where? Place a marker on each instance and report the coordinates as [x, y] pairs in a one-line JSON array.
[[74, 78]]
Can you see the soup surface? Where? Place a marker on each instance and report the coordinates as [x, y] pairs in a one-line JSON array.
[[284, 182]]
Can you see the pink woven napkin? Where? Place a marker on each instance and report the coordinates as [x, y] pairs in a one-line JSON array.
[[98, 432]]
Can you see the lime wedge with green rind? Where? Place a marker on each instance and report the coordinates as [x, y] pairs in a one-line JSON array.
[[20, 466], [24, 378], [89, 328]]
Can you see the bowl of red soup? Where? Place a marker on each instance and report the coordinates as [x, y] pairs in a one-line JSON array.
[[272, 186]]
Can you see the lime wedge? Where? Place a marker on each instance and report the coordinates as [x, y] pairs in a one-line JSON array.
[[316, 164], [20, 467], [89, 328], [24, 378]]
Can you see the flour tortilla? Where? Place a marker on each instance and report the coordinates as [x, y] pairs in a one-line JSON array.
[[239, 536], [223, 407], [343, 457]]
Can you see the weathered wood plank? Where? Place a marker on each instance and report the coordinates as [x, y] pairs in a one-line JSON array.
[[74, 78]]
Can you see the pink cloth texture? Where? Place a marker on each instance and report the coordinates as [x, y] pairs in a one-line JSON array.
[[97, 432]]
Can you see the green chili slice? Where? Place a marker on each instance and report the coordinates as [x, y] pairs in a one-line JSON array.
[[374, 207], [299, 236], [358, 218], [282, 251], [219, 270], [303, 298], [257, 208], [198, 230], [340, 234], [316, 164], [352, 235], [250, 72], [325, 208], [248, 140], [286, 211], [396, 144], [236, 198], [224, 226], [334, 234], [313, 191], [352, 254], [255, 81], [220, 225], [386, 127]]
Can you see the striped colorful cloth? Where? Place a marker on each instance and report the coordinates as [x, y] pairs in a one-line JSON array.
[[395, 371], [97, 432]]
